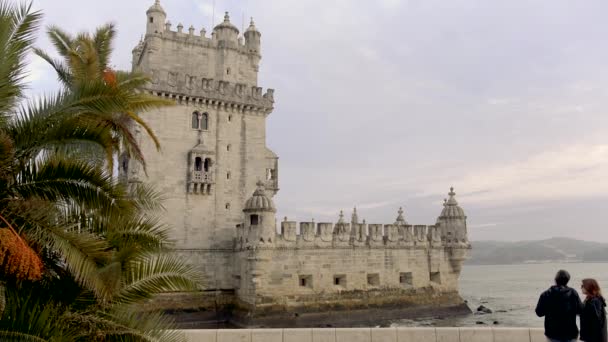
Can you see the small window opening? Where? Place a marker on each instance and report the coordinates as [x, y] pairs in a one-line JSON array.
[[305, 281], [229, 118], [151, 19], [405, 278], [340, 280], [228, 175], [228, 147], [270, 174], [435, 277], [206, 165], [227, 206], [198, 164], [228, 71], [205, 121], [195, 120], [373, 279], [254, 220]]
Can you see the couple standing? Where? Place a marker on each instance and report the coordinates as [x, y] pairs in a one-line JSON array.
[[561, 304]]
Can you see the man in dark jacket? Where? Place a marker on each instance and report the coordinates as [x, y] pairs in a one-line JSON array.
[[559, 305]]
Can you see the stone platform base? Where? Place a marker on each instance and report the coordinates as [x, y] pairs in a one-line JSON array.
[[220, 309], [346, 318]]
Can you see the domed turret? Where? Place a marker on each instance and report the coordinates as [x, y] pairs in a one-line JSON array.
[[252, 38], [225, 30], [452, 221], [156, 17], [259, 214], [451, 209], [400, 220], [259, 201]]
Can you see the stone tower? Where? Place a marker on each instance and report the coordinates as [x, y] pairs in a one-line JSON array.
[[213, 141]]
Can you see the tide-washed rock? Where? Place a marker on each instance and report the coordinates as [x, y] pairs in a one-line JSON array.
[[484, 309]]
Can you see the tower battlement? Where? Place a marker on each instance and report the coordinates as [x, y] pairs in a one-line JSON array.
[[187, 89], [346, 235]]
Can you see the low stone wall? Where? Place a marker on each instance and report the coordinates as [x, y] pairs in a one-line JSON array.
[[369, 335]]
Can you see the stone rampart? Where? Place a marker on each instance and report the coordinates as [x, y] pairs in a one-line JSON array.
[[369, 335], [346, 235]]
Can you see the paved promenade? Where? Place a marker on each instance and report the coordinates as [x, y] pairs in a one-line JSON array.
[[369, 335]]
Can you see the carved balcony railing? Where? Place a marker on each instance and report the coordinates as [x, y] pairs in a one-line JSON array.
[[201, 177]]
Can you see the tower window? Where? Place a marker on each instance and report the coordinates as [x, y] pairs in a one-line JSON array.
[[227, 206], [205, 121], [228, 71], [228, 147], [207, 164], [229, 118], [305, 281], [196, 120], [435, 277], [151, 19], [405, 278], [340, 280], [373, 279], [228, 175], [254, 220], [198, 164], [270, 174]]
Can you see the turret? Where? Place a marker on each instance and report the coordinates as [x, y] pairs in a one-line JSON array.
[[252, 38], [225, 31], [400, 220], [156, 17], [453, 221], [259, 215]]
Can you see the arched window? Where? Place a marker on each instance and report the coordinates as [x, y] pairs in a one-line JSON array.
[[198, 164], [195, 120], [205, 121], [207, 164], [254, 220]]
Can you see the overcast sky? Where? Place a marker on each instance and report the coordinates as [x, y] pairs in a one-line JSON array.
[[388, 103]]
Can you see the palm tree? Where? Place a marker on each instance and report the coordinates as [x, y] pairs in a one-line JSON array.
[[84, 59], [78, 252]]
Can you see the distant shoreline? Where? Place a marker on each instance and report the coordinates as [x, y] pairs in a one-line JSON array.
[[538, 263]]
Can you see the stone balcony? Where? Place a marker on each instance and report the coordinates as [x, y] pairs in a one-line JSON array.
[[200, 182], [200, 177]]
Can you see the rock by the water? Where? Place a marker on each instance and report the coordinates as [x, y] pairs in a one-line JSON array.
[[484, 309]]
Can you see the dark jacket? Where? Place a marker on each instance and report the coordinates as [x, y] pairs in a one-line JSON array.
[[593, 320], [560, 305]]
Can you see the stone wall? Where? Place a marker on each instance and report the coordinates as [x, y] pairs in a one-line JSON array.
[[369, 335], [327, 267]]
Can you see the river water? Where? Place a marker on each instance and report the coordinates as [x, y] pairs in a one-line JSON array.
[[511, 291]]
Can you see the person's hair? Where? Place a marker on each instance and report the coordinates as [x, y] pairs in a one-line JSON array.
[[562, 278], [592, 288]]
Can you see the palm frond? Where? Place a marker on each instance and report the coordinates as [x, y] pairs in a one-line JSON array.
[[157, 273], [17, 33], [63, 73], [28, 319]]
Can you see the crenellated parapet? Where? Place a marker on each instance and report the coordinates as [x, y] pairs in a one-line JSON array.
[[195, 90], [448, 232], [311, 235]]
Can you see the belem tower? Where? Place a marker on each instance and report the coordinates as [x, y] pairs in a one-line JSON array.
[[219, 178]]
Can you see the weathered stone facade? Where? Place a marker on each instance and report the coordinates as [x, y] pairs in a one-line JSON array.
[[214, 156]]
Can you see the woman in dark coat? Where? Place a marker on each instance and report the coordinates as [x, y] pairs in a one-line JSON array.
[[593, 316]]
